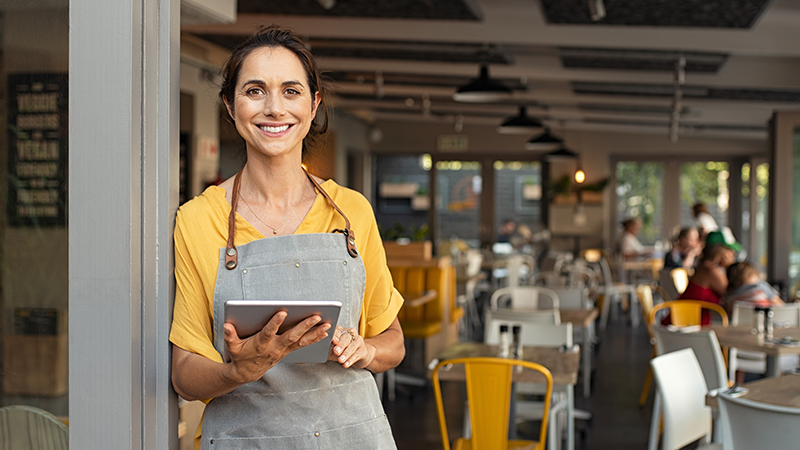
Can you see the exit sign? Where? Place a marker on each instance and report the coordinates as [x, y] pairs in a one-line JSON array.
[[452, 143]]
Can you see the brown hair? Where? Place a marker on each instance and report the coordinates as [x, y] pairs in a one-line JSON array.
[[275, 36], [738, 273], [713, 253], [697, 208]]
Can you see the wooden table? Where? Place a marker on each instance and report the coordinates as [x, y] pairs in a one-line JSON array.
[[563, 366], [779, 391], [741, 337]]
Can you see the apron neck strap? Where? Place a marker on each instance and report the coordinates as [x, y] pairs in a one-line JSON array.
[[350, 237], [231, 255]]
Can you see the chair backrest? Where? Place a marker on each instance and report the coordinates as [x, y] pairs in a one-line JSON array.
[[645, 294], [599, 258], [706, 349], [533, 333], [682, 390], [666, 283], [785, 316], [546, 316], [684, 313], [413, 281], [29, 428], [526, 297], [680, 279], [489, 397], [474, 261], [572, 298], [519, 268], [747, 424]]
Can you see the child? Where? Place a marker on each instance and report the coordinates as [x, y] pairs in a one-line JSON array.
[[745, 285]]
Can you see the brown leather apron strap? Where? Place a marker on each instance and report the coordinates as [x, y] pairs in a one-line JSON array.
[[231, 255], [349, 236]]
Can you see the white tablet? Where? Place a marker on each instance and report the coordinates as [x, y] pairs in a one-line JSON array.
[[250, 316]]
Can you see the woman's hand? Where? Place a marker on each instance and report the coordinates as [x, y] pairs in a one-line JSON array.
[[253, 356], [349, 349]]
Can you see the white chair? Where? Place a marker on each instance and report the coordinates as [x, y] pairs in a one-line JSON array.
[[541, 335], [611, 290], [513, 270], [29, 428], [523, 297], [708, 352], [756, 362], [572, 297], [706, 349], [681, 400], [543, 316], [751, 425]]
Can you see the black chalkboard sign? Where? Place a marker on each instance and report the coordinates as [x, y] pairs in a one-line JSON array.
[[37, 149]]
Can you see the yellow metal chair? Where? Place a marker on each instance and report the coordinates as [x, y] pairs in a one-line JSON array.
[[680, 279], [489, 397], [686, 313]]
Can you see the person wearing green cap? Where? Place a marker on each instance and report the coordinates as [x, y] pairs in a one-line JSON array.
[[710, 281], [723, 237]]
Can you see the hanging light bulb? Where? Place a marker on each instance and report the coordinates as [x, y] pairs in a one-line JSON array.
[[580, 176], [482, 89]]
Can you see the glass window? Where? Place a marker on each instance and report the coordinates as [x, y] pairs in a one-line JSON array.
[[459, 186], [34, 65], [704, 182], [640, 194], [518, 193], [794, 255], [402, 197]]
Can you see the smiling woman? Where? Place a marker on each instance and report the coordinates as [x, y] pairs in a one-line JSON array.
[[293, 237]]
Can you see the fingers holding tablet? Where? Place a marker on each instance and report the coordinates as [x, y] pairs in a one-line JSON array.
[[349, 348]]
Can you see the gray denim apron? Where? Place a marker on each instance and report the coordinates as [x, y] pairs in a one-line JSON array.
[[296, 406]]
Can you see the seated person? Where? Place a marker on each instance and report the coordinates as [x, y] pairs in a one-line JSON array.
[[629, 246], [506, 230], [745, 285], [710, 281], [705, 222], [686, 250]]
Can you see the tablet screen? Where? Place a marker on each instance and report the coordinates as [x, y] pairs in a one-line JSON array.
[[250, 316]]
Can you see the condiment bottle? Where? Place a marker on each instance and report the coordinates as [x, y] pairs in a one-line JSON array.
[[505, 342], [517, 334]]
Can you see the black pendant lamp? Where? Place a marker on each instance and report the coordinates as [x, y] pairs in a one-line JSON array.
[[482, 89], [519, 124], [544, 141], [562, 154]]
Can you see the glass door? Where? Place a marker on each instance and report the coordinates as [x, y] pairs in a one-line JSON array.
[[704, 183], [459, 186], [517, 202], [639, 193], [34, 66]]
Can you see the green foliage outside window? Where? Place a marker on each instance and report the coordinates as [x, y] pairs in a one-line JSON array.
[[639, 194], [701, 182]]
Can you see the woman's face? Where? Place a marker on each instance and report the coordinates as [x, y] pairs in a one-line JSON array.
[[691, 239], [727, 258], [273, 106]]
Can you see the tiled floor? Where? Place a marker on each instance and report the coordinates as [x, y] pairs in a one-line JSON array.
[[618, 422]]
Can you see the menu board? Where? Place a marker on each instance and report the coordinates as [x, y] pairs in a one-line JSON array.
[[37, 149]]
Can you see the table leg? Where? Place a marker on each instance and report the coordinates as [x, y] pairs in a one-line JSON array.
[[588, 337], [570, 417], [512, 414], [773, 368]]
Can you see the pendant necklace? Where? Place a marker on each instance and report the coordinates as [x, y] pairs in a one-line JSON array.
[[274, 229]]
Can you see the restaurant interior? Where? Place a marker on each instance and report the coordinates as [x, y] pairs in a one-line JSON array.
[[502, 144]]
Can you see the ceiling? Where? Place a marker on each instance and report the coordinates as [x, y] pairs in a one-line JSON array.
[[403, 60]]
